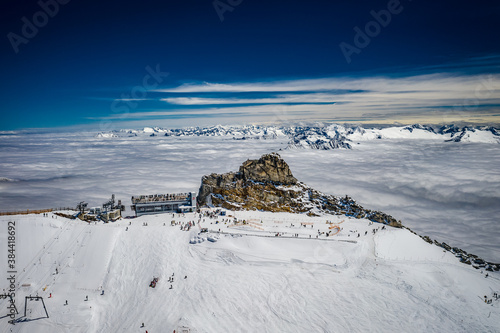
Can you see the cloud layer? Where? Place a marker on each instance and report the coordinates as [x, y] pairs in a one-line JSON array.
[[446, 190]]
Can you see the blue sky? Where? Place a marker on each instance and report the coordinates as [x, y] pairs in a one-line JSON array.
[[92, 63]]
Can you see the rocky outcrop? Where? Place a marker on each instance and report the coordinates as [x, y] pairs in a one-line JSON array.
[[255, 186], [269, 168], [268, 184]]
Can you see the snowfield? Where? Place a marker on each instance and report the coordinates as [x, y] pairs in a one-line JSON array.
[[246, 279]]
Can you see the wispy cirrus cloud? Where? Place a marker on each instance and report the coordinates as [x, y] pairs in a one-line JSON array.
[[277, 99], [437, 97], [447, 83]]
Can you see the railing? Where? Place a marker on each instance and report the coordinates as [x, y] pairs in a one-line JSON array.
[[153, 198], [35, 211]]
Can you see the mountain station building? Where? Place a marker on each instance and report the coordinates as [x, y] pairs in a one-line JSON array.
[[164, 203]]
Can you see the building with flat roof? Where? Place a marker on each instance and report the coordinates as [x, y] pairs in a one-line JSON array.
[[164, 203]]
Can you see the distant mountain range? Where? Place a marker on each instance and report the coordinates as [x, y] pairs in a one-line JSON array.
[[325, 137]]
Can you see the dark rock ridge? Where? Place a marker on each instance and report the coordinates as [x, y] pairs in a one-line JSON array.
[[268, 184], [462, 255]]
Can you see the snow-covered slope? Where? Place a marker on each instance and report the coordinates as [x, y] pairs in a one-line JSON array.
[[323, 141], [106, 135], [249, 280]]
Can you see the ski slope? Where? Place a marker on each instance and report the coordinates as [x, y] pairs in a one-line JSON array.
[[246, 279]]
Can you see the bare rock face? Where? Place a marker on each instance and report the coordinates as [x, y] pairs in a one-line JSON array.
[[268, 184], [269, 168], [253, 187]]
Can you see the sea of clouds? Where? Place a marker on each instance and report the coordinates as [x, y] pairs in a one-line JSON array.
[[449, 191]]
